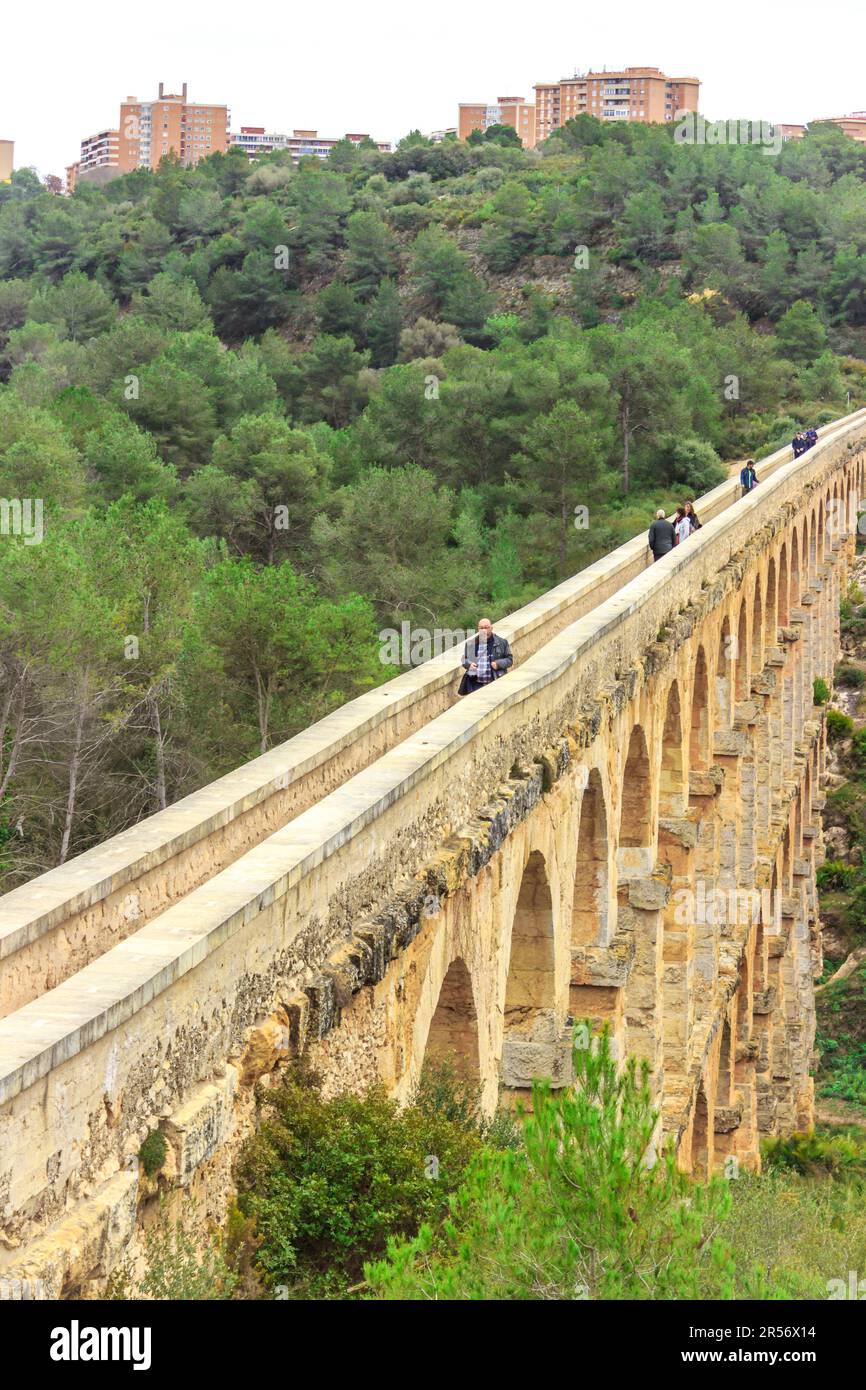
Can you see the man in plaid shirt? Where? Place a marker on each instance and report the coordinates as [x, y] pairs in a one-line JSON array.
[[486, 657]]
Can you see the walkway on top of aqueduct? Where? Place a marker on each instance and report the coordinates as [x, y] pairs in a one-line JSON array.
[[413, 875]]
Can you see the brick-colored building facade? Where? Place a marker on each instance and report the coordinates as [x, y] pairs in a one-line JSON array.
[[170, 125]]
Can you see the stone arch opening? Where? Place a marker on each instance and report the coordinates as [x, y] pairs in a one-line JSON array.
[[701, 1135], [453, 1035], [529, 1025], [794, 586], [591, 995], [723, 1088], [770, 605], [724, 683], [699, 730], [672, 777], [635, 829], [820, 531], [675, 842], [742, 655], [782, 596], [589, 913], [757, 631]]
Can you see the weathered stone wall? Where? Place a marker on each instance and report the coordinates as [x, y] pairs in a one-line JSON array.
[[554, 834]]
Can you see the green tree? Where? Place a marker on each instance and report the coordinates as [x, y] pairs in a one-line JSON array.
[[340, 312], [390, 543], [800, 334], [282, 487], [80, 308], [371, 252], [329, 1182], [384, 325], [272, 655], [560, 462], [172, 302]]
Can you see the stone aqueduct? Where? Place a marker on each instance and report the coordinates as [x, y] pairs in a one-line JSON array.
[[415, 876]]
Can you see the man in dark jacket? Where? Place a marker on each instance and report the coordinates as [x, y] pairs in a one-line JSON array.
[[660, 537], [748, 476], [486, 657]]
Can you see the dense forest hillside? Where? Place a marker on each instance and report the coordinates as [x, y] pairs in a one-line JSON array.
[[257, 414]]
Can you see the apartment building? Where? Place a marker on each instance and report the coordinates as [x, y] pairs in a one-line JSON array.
[[255, 140], [510, 111], [628, 94], [98, 162], [172, 124], [7, 155]]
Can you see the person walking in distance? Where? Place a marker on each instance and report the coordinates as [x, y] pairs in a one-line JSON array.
[[748, 476], [486, 657], [660, 537]]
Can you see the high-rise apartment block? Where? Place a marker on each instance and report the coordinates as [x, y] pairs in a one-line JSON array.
[[629, 94], [255, 140], [149, 130], [7, 154], [511, 111]]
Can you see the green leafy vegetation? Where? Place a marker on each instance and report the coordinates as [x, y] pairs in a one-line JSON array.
[[326, 1183], [271, 410], [820, 691], [152, 1152]]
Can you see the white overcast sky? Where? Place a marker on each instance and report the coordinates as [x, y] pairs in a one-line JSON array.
[[385, 66]]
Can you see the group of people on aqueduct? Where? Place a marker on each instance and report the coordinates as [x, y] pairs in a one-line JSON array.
[[487, 655]]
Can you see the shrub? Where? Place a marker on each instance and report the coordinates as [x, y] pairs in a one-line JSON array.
[[179, 1263], [443, 1093], [858, 744], [812, 1230], [851, 676], [330, 1181], [820, 691], [835, 873], [152, 1152], [818, 1155], [839, 725]]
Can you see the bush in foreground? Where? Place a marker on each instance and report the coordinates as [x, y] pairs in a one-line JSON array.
[[578, 1212], [328, 1182]]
